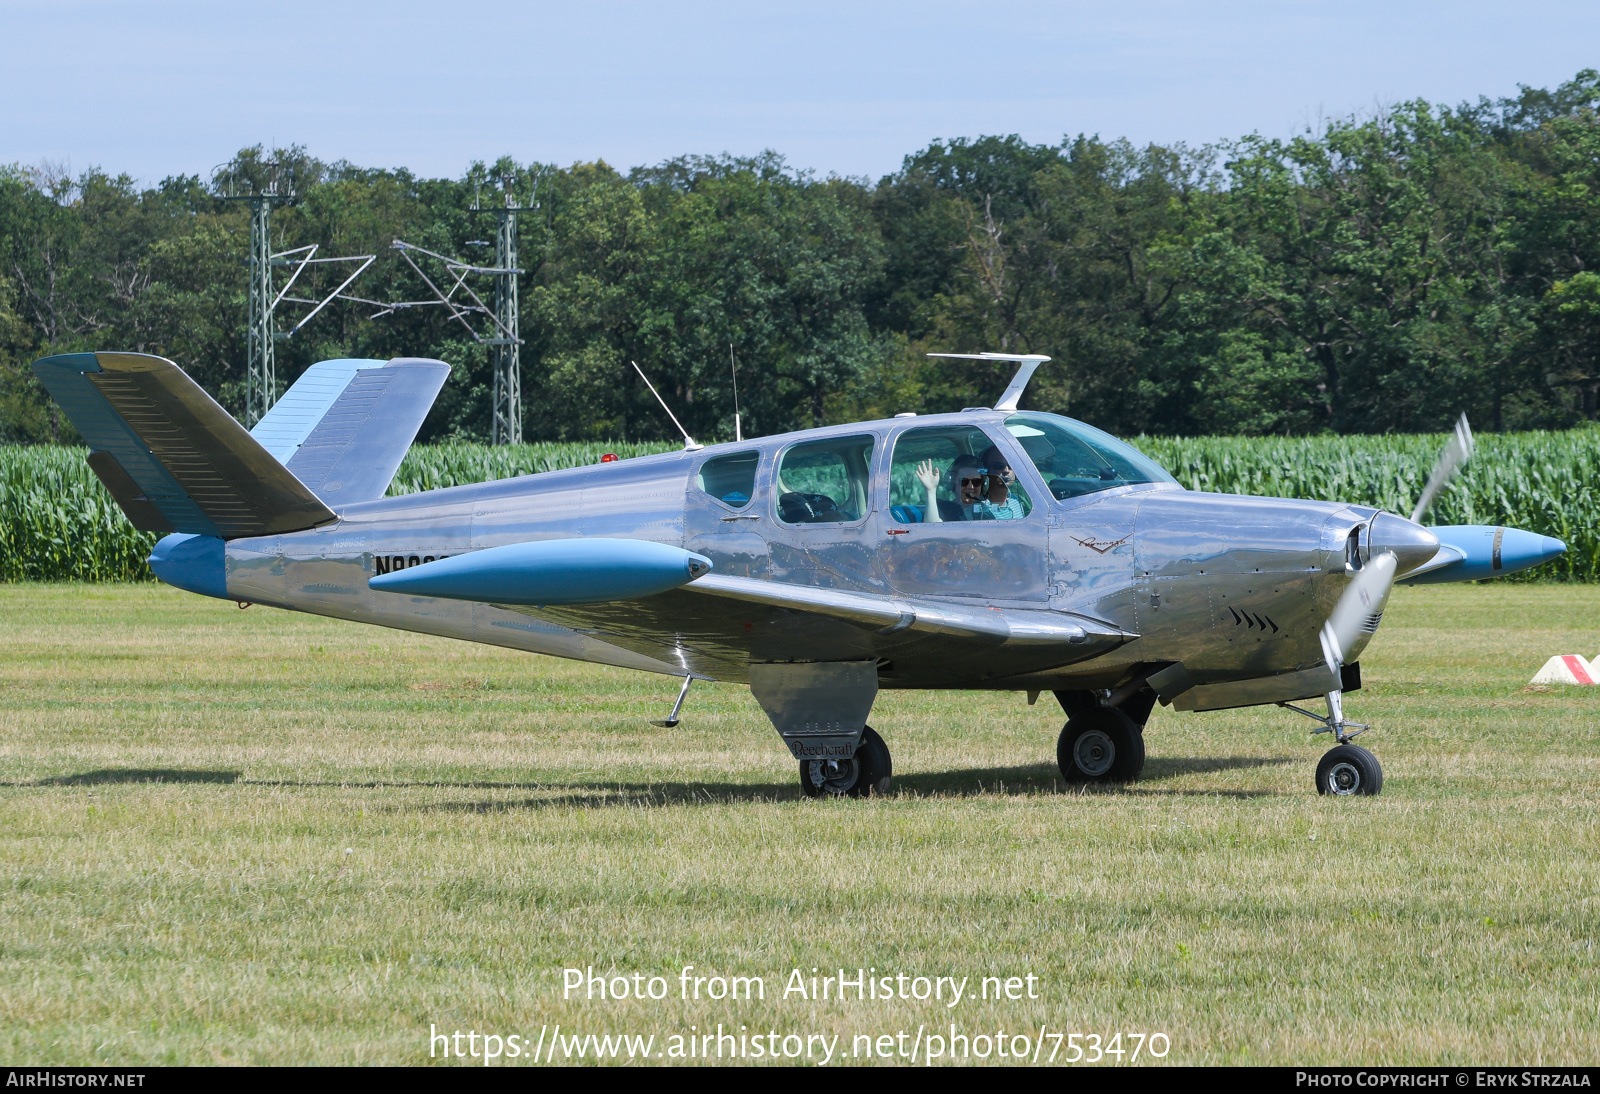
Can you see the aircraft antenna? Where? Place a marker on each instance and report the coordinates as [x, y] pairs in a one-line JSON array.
[[688, 441], [738, 434], [1027, 363]]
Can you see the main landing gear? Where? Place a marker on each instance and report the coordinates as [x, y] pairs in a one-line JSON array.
[[1098, 743], [1345, 769], [865, 773]]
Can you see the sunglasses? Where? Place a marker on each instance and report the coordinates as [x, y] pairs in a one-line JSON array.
[[972, 482]]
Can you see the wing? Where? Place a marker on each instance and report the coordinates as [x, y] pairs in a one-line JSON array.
[[716, 626]]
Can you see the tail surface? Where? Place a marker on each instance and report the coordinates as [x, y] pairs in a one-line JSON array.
[[345, 425], [171, 457]]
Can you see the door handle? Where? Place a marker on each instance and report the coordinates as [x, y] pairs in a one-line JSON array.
[[742, 516]]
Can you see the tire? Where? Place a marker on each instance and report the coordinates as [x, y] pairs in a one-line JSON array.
[[1100, 745], [1349, 770], [864, 774]]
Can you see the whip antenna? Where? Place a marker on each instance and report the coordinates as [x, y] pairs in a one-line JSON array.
[[738, 435], [688, 441]]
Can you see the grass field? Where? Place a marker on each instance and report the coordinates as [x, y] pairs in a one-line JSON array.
[[260, 837]]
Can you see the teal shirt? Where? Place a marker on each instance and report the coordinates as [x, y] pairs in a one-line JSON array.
[[1010, 509]]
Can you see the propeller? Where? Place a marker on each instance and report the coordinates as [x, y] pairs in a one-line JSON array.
[[1355, 617], [1356, 614], [1395, 545], [1457, 451]]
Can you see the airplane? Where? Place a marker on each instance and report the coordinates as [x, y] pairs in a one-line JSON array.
[[995, 548]]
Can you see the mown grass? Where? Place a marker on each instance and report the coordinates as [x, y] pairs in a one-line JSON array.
[[264, 837]]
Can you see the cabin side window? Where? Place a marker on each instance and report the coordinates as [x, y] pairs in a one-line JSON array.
[[731, 479], [943, 475], [824, 482]]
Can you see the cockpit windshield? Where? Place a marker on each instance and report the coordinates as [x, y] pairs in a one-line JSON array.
[[1076, 459]]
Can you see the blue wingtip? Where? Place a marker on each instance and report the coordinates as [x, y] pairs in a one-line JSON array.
[[1489, 551], [566, 571]]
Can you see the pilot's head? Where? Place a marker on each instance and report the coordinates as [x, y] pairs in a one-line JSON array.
[[967, 479]]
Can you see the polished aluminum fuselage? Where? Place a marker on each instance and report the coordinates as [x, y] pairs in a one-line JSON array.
[[1231, 587]]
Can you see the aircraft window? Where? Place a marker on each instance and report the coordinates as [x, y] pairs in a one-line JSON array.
[[1077, 459], [824, 481], [971, 477], [731, 479]]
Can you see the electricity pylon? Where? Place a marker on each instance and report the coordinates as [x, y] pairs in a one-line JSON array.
[[261, 379], [505, 350], [504, 338]]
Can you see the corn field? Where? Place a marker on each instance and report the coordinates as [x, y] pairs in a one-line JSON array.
[[58, 523], [438, 465]]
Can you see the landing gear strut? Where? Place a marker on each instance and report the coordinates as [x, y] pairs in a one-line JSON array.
[[1346, 769], [865, 773]]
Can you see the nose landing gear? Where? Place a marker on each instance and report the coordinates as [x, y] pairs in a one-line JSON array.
[[1346, 769]]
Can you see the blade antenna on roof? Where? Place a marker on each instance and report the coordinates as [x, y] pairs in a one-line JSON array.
[[1026, 364], [688, 441]]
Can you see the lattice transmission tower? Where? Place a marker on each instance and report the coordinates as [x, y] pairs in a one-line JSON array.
[[505, 350], [261, 376], [503, 338]]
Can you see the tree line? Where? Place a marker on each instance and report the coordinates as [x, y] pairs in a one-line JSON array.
[[1377, 273]]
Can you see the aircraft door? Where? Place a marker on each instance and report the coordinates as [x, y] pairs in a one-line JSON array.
[[722, 521], [818, 520], [959, 521]]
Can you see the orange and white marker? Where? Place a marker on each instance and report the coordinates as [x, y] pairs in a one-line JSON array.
[[1566, 668]]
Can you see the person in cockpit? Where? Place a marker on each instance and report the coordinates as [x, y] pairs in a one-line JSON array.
[[966, 479], [998, 502], [982, 484]]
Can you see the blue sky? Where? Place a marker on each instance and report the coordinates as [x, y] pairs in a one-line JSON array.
[[161, 88]]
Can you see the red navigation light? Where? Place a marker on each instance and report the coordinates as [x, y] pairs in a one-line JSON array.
[[609, 457]]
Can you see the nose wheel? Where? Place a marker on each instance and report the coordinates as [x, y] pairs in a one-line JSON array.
[[1348, 770], [865, 773]]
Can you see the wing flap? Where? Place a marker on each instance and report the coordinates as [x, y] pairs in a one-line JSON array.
[[1009, 626], [720, 625]]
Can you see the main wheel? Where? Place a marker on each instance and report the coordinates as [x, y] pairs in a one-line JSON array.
[[1349, 769], [1100, 745], [867, 772]]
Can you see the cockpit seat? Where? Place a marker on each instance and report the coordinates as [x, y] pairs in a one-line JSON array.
[[797, 508], [906, 514]]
